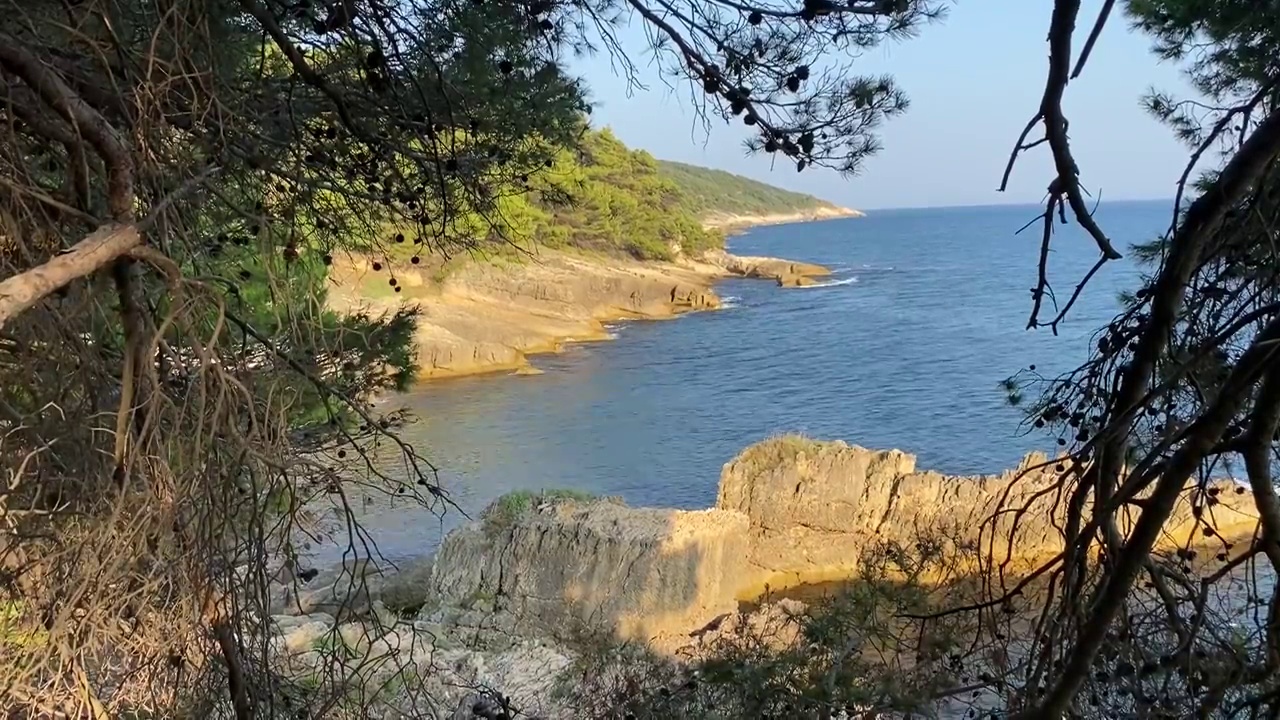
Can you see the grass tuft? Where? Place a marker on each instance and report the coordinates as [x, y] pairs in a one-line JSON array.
[[506, 510]]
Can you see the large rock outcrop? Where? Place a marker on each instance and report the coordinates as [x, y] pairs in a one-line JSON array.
[[490, 316], [816, 507], [790, 511], [787, 273], [643, 572]]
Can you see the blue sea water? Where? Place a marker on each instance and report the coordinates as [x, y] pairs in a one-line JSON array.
[[904, 346]]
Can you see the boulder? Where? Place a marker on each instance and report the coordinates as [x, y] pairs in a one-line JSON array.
[[796, 281], [302, 637], [694, 298], [405, 588], [639, 572]]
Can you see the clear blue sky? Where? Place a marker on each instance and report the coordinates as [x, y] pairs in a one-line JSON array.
[[974, 81]]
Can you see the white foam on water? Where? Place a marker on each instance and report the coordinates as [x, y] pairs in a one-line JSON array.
[[829, 283]]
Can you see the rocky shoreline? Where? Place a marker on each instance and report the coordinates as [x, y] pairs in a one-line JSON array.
[[486, 317], [506, 601]]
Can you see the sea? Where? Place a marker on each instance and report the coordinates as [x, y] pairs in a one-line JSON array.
[[905, 346]]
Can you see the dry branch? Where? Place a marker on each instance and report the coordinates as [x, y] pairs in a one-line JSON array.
[[109, 242], [84, 119]]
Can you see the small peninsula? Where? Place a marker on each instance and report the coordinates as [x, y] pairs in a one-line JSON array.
[[731, 203], [635, 238]]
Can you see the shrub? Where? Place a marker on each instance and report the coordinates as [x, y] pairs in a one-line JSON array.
[[853, 653], [506, 510]]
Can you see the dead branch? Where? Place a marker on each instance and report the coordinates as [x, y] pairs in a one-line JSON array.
[[21, 292], [1103, 14]]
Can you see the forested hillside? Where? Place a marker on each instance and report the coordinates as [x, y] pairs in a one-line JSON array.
[[602, 196], [707, 192]]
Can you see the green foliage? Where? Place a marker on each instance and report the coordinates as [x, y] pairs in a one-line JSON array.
[[620, 200], [16, 627], [707, 192], [599, 196], [1229, 45], [183, 391], [766, 455], [506, 510], [201, 397]]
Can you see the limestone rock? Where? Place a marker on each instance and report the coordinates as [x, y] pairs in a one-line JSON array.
[[776, 623], [796, 281], [816, 508], [486, 317], [406, 587], [639, 571], [303, 636], [765, 267], [356, 637]]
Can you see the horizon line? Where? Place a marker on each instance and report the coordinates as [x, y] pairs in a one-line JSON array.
[[975, 206]]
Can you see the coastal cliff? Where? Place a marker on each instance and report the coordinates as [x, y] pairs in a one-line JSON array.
[[641, 572], [511, 599], [491, 316], [790, 511]]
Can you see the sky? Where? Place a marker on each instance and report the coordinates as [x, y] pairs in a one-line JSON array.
[[974, 80]]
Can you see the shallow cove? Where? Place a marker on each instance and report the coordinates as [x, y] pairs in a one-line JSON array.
[[904, 346]]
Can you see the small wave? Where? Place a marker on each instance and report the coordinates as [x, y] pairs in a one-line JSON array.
[[730, 301], [831, 283]]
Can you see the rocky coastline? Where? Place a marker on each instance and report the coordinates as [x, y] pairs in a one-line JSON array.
[[491, 316], [505, 599]]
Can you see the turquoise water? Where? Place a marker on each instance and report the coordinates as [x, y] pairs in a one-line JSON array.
[[904, 347]]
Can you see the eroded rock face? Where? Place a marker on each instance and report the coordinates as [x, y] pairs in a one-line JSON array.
[[816, 508], [786, 272], [485, 317], [642, 572], [790, 511], [812, 507]]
